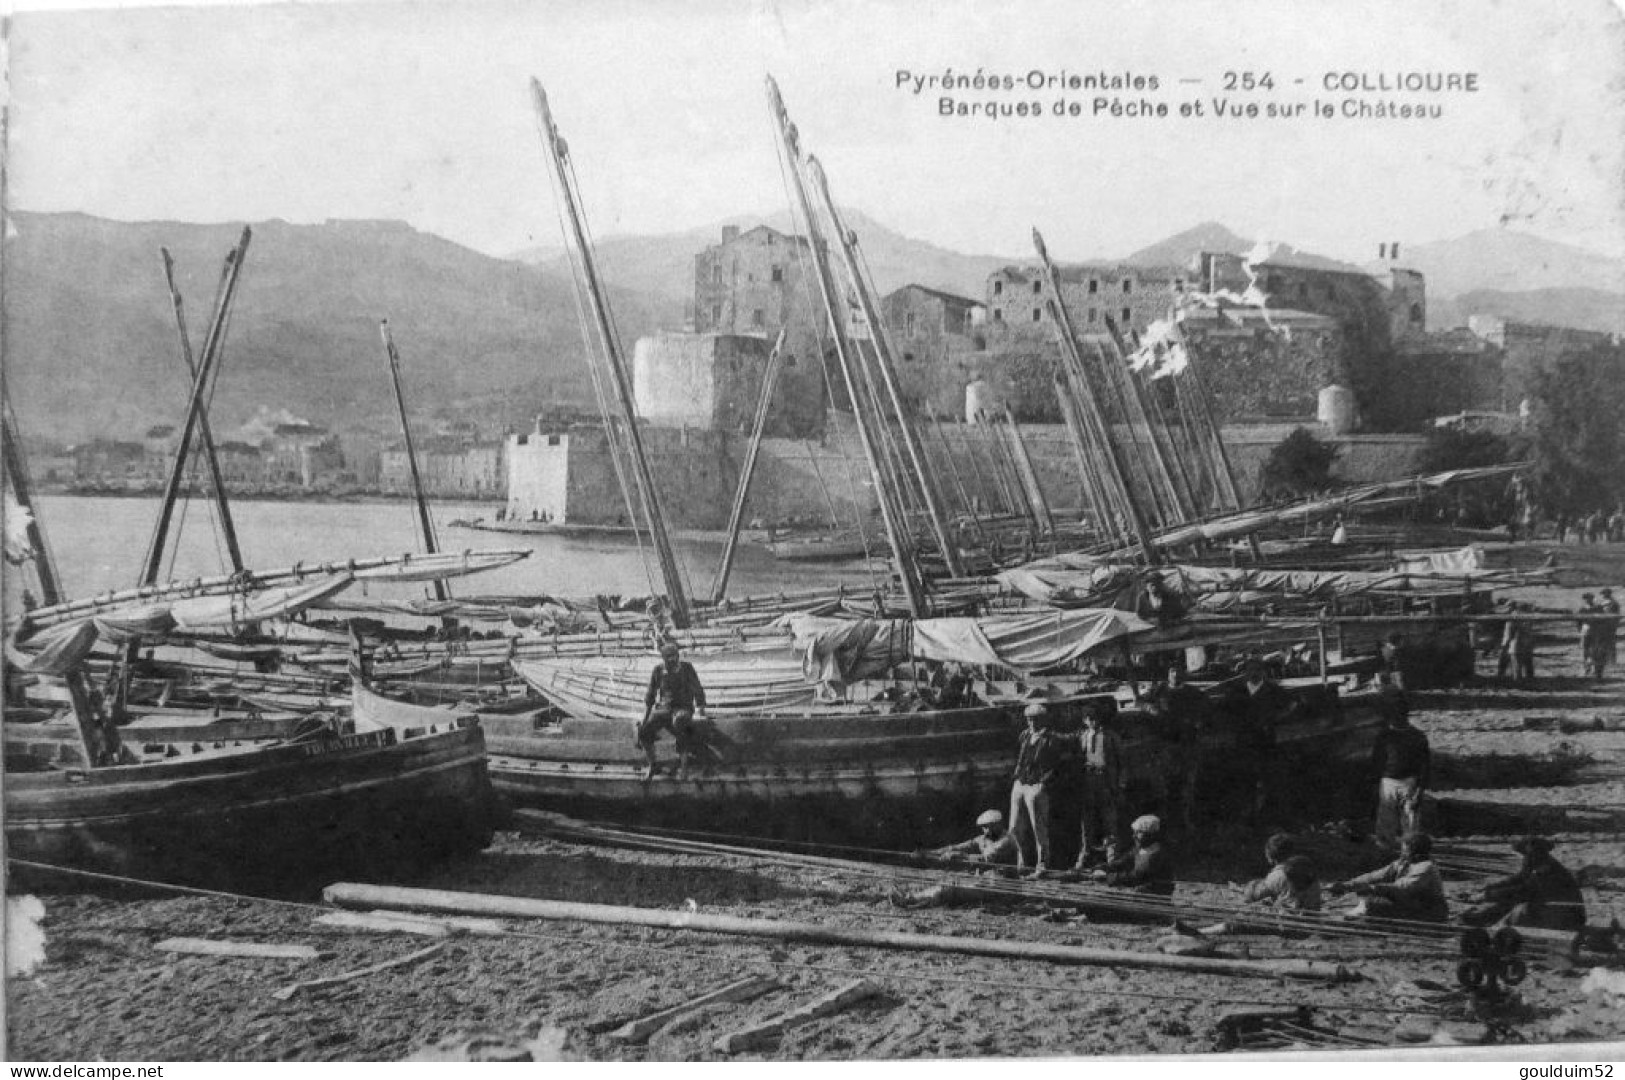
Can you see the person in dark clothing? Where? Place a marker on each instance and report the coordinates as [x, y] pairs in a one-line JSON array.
[[1262, 705], [669, 705], [1403, 764], [1391, 669], [1541, 894], [1038, 762], [1102, 750], [1292, 883], [1148, 867], [1189, 713]]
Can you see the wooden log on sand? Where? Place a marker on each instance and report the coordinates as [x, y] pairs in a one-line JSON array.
[[249, 950], [767, 1030], [639, 1030], [441, 901]]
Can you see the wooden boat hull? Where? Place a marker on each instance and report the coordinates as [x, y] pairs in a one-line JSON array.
[[879, 779], [282, 818]]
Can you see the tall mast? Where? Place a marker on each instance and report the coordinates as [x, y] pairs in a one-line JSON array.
[[888, 371], [770, 376], [558, 154], [227, 527], [1091, 407], [201, 384], [1029, 476], [902, 554], [425, 522], [98, 738]]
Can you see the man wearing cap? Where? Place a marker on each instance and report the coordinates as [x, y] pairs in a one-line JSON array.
[[1263, 705], [1038, 760], [1403, 762], [1148, 867], [1292, 883], [1102, 781], [1407, 888], [993, 846], [674, 694], [1541, 894]]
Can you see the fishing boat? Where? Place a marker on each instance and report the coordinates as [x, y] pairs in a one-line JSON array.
[[279, 815]]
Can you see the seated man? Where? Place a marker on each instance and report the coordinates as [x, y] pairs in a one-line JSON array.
[[1148, 867], [1541, 894], [993, 846], [673, 695], [1291, 884], [1407, 888]]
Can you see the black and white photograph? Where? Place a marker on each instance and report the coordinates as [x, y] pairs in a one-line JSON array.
[[813, 531]]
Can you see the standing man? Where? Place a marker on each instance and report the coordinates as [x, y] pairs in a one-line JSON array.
[[1188, 712], [669, 704], [1102, 782], [1038, 759], [1404, 763], [1588, 633], [1604, 632], [1263, 706]]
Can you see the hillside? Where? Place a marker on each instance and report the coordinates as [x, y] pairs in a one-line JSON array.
[[663, 266], [1510, 261], [1182, 248], [1584, 309], [91, 348]]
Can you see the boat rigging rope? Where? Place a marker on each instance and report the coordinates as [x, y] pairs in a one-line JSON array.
[[687, 958], [818, 328], [593, 354]]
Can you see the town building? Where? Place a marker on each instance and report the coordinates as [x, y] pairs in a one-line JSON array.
[[1528, 349], [301, 453], [449, 468], [939, 343]]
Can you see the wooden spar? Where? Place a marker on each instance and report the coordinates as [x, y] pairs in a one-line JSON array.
[[1224, 474], [959, 481], [1029, 475], [770, 377], [768, 1030], [983, 488], [1178, 498], [201, 384], [847, 242], [992, 440], [1005, 465], [1087, 480], [902, 551], [425, 522], [98, 736], [439, 901], [1114, 457], [649, 496], [228, 528]]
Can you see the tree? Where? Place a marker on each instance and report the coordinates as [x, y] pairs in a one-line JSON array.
[[1298, 465], [1478, 505], [1578, 410]]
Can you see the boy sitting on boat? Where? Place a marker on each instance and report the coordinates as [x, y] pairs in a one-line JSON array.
[[669, 705]]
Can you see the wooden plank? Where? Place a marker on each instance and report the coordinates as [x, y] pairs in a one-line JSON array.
[[360, 973], [395, 922], [438, 901], [253, 950], [768, 1030], [744, 989]]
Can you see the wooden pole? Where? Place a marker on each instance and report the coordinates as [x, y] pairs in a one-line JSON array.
[[201, 383], [558, 155], [768, 1030], [227, 527], [439, 901], [770, 378], [1113, 453], [1029, 475], [888, 373], [902, 550], [425, 522], [98, 736]]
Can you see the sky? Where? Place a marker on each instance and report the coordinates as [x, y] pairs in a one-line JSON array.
[[422, 112]]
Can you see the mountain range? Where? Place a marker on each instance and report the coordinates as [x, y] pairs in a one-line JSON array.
[[90, 341]]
